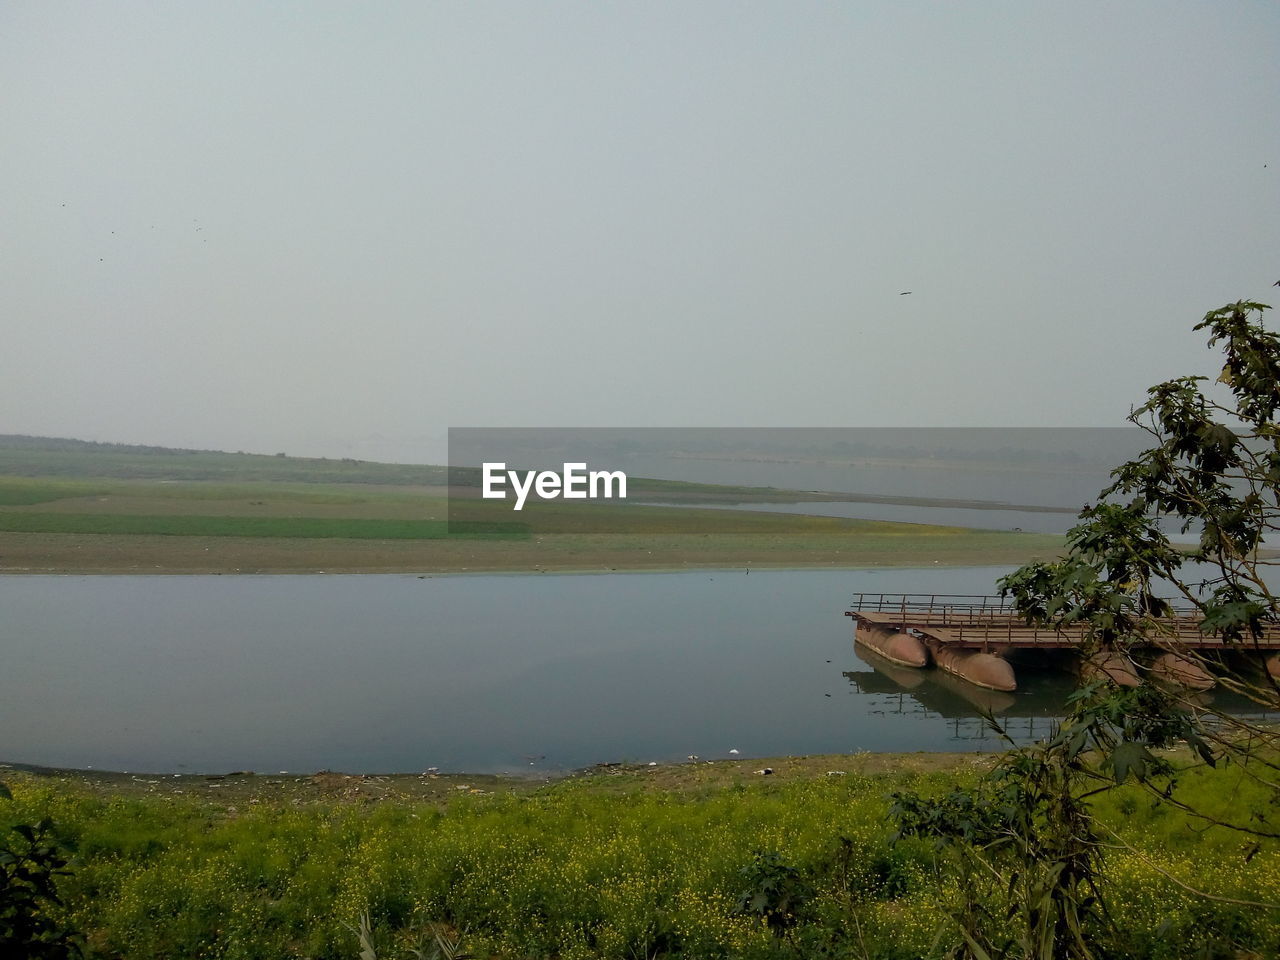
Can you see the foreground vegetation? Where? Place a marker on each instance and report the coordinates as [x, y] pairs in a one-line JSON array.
[[695, 861], [1034, 823]]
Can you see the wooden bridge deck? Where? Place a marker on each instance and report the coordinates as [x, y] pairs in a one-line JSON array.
[[983, 622]]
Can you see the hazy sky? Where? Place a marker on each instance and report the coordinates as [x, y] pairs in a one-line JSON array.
[[339, 228]]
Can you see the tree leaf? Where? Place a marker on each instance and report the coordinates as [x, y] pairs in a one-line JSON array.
[[1131, 757]]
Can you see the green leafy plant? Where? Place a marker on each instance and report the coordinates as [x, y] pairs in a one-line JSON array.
[[774, 891], [31, 860], [364, 936], [442, 946], [1026, 854]]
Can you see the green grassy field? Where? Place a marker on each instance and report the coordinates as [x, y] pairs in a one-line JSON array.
[[103, 509], [281, 527], [639, 863], [41, 457]]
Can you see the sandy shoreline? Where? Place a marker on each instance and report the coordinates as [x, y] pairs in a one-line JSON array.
[[430, 786]]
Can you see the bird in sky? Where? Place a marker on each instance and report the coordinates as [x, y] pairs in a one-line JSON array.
[[905, 293]]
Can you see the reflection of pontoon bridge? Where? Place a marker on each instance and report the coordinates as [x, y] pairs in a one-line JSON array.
[[971, 637], [903, 690], [940, 692], [1026, 715]]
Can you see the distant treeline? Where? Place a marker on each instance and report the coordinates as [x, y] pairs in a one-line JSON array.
[[24, 456], [58, 457]]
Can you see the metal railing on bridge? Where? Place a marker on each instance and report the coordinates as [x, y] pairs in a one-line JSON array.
[[957, 604], [976, 620]]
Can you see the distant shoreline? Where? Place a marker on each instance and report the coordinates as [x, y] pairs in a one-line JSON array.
[[73, 508], [91, 554]]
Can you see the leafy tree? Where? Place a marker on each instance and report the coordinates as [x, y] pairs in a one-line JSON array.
[[1025, 838]]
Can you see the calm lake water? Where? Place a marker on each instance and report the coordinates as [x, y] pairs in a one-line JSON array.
[[470, 673]]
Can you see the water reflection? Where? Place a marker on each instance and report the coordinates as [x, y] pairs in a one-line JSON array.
[[1026, 715], [1045, 680]]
